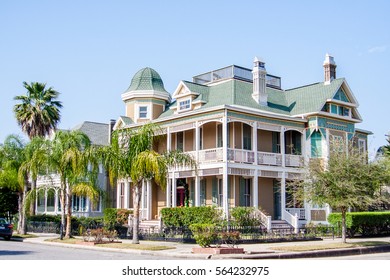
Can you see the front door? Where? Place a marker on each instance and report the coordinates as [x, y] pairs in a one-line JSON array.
[[180, 197]]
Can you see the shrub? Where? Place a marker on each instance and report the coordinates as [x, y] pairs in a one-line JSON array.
[[44, 218], [122, 216], [364, 223], [242, 217], [204, 234], [186, 216]]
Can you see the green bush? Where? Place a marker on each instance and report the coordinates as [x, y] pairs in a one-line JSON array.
[[242, 217], [204, 234], [115, 217], [186, 216], [364, 223], [44, 218]]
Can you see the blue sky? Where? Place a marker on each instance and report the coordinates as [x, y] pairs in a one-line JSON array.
[[89, 50]]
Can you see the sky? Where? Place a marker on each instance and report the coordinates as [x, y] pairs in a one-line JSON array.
[[90, 50]]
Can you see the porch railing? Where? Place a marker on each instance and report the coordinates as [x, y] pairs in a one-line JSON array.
[[269, 158], [294, 160], [292, 220], [300, 212], [265, 220], [211, 155], [242, 156]]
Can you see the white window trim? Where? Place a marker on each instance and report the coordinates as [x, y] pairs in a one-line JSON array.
[[182, 101], [147, 111], [362, 145]]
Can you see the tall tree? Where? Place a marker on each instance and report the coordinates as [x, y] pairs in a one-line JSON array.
[[345, 180], [71, 154], [11, 158], [131, 156], [38, 112]]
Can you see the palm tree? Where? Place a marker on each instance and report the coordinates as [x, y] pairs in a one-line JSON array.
[[131, 156], [39, 112], [71, 154], [11, 158]]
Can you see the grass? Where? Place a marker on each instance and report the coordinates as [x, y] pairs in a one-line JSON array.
[[17, 235], [315, 247], [145, 247]]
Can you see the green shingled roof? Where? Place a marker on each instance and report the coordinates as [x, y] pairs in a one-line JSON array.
[[295, 101], [146, 79]]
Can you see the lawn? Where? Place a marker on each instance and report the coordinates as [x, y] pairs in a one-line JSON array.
[[315, 247], [147, 247]]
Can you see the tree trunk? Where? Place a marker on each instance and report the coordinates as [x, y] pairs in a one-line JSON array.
[[68, 232], [137, 199], [23, 221], [343, 225], [20, 209], [63, 208], [33, 188]]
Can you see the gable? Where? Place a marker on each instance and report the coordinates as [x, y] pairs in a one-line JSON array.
[[341, 96]]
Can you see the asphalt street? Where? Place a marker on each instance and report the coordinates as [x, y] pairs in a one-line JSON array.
[[15, 250]]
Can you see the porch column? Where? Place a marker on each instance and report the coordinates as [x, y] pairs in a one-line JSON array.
[[283, 194], [143, 206], [254, 142], [168, 139], [255, 190], [282, 146], [174, 190], [197, 191], [127, 195], [148, 200], [118, 194], [169, 192], [197, 141], [225, 203]]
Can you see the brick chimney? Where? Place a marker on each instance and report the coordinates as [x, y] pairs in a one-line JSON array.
[[259, 82], [329, 69]]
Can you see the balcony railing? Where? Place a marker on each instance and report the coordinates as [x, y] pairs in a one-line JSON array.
[[294, 160], [242, 156], [211, 155], [269, 158], [300, 212]]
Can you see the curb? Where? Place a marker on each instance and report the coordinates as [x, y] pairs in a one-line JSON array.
[[320, 253]]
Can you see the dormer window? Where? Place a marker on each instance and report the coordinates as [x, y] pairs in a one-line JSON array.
[[185, 105]]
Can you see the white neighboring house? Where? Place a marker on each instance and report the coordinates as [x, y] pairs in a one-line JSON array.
[[48, 199]]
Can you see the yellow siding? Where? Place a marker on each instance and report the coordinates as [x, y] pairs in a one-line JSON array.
[[130, 110], [209, 136], [264, 141], [189, 140], [266, 195]]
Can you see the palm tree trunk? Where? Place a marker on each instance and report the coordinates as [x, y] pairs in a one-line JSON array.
[[343, 225], [137, 200], [20, 209], [63, 207], [32, 205], [69, 213], [23, 221]]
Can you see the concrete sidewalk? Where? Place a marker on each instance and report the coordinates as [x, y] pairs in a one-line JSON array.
[[252, 251]]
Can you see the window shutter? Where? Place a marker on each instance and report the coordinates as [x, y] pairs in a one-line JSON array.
[[215, 192], [192, 193], [203, 192], [242, 191]]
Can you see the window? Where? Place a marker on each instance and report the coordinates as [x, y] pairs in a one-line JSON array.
[[143, 112], [362, 145], [95, 206], [180, 141], [247, 137], [200, 138], [219, 136], [245, 192], [220, 193], [79, 203], [122, 195], [41, 201], [184, 105], [202, 192], [50, 200]]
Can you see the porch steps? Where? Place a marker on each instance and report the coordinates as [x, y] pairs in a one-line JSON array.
[[151, 226], [281, 227]]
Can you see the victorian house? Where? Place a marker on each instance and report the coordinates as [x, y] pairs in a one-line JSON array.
[[248, 135]]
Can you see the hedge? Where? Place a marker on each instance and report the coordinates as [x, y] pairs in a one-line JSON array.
[[364, 223], [186, 216]]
